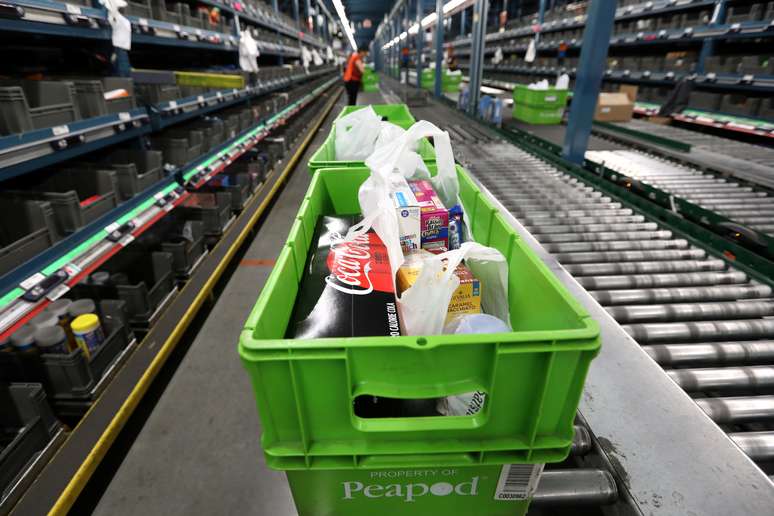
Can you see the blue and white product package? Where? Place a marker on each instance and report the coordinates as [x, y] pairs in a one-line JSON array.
[[408, 211]]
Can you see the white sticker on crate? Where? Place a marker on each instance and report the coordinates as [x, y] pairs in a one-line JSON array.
[[32, 280], [518, 481], [59, 130], [73, 9]]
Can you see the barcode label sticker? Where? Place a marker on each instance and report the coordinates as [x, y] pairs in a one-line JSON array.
[[11, 316], [124, 116], [143, 22], [200, 99], [32, 281], [57, 292], [60, 130], [172, 104], [518, 481], [73, 9], [112, 227]]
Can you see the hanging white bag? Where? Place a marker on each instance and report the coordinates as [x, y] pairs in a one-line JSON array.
[[531, 51], [356, 134], [423, 306]]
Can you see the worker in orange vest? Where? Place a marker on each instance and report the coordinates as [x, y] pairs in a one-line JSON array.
[[353, 73]]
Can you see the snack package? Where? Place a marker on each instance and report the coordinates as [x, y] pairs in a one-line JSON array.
[[408, 212], [456, 227], [434, 218], [466, 298], [347, 289]]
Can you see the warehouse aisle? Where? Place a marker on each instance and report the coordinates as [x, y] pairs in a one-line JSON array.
[[199, 450]]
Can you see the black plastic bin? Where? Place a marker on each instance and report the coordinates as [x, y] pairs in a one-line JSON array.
[[28, 424], [213, 130], [181, 237], [95, 97], [28, 105], [27, 228]]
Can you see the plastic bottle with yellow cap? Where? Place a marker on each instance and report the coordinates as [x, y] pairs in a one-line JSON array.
[[88, 333]]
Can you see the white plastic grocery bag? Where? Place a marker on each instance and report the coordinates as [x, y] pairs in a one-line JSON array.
[[356, 134], [424, 305], [400, 155]]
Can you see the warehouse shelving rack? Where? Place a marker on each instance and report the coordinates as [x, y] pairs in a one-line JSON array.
[[706, 29], [26, 290]]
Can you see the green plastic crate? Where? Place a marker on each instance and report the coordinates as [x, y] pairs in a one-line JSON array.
[[533, 115], [412, 490], [371, 87], [550, 98], [398, 114], [305, 388]]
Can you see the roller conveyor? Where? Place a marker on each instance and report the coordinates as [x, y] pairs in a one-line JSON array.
[[710, 325], [739, 203]]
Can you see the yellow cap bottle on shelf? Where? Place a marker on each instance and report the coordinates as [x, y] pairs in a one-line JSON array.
[[88, 333]]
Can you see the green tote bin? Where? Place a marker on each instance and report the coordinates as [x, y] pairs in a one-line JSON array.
[[536, 115], [398, 114], [550, 98], [533, 378]]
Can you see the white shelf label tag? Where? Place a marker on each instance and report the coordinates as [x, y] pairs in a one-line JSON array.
[[32, 280], [59, 130], [57, 292]]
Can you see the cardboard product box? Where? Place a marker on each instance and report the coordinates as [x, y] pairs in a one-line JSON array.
[[614, 107], [631, 91], [465, 300], [409, 215], [434, 223]]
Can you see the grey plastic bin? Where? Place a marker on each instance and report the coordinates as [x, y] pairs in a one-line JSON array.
[[741, 105], [91, 99], [27, 228], [29, 105], [28, 424], [135, 169], [146, 283], [212, 208], [179, 146], [77, 196], [157, 93], [704, 101], [213, 130], [238, 185]]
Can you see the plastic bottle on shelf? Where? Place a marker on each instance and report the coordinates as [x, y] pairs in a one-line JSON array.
[[23, 340], [44, 319], [88, 333], [60, 308], [52, 339]]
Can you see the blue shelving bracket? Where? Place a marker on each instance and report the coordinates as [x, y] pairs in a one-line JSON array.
[[480, 8], [591, 68], [708, 44], [419, 43], [438, 48]]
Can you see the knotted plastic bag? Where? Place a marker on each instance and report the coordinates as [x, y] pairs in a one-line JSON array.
[[356, 134], [424, 305]]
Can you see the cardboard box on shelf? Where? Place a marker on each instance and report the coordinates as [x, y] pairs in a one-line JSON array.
[[630, 90], [614, 107]]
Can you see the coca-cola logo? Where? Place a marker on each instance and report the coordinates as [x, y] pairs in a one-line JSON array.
[[358, 266]]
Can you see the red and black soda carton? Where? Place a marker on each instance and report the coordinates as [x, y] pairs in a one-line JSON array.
[[347, 289]]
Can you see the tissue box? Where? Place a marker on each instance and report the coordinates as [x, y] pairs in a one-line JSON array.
[[434, 217]]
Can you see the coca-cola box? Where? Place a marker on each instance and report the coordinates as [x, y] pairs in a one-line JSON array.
[[347, 289]]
